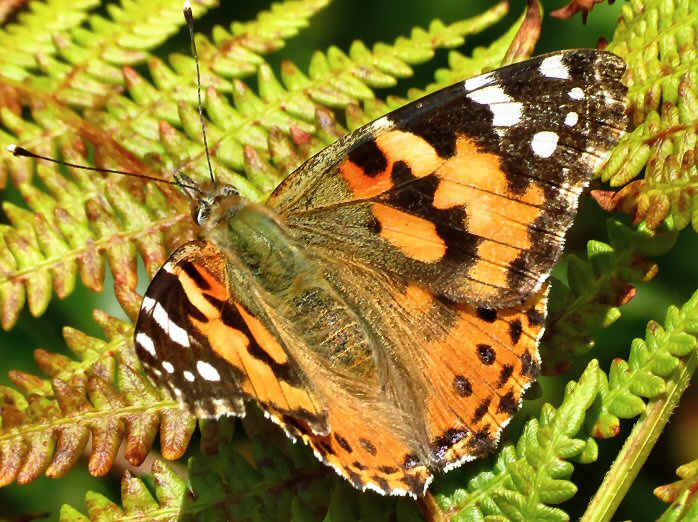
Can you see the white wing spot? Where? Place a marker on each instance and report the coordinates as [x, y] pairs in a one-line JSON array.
[[381, 124], [176, 333], [188, 376], [146, 343], [148, 304], [478, 81], [506, 114], [177, 392], [207, 371], [168, 267], [168, 366], [544, 143], [571, 119], [552, 67], [505, 111], [489, 95], [576, 93]]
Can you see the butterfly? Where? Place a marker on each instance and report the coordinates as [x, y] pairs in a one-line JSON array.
[[386, 302]]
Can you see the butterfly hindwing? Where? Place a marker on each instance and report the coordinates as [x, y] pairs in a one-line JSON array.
[[195, 339], [449, 377], [470, 190], [460, 370]]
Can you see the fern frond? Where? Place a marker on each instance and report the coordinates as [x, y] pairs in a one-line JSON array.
[[138, 502], [32, 37], [47, 424], [683, 495], [657, 39], [526, 479], [84, 65], [649, 365], [596, 288], [679, 337], [93, 68], [126, 222]]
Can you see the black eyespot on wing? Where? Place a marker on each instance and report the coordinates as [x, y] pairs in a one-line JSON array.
[[515, 331], [463, 386], [368, 446], [488, 315], [486, 354]]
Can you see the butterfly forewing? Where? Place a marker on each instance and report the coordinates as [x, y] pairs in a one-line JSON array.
[[196, 339], [470, 190]]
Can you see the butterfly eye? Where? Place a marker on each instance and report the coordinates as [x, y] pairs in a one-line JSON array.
[[201, 212], [229, 190]]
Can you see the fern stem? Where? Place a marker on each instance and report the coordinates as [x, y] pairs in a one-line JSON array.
[[639, 444]]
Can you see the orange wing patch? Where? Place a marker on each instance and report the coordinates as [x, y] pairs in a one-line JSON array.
[[477, 373], [476, 180], [416, 238], [366, 444]]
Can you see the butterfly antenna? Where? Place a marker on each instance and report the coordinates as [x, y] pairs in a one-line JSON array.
[[189, 17], [16, 150]]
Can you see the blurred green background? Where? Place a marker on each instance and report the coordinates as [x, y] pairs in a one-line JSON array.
[[383, 20]]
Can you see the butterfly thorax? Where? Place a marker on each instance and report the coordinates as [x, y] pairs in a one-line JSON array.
[[265, 257]]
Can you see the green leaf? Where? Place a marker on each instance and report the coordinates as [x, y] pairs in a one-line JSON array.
[[656, 39]]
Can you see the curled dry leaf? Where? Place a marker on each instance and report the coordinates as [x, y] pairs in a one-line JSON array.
[[571, 9], [526, 38]]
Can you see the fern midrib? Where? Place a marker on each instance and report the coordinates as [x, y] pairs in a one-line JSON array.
[[661, 134], [70, 420], [499, 481], [115, 345], [634, 374], [21, 276], [532, 498], [642, 88]]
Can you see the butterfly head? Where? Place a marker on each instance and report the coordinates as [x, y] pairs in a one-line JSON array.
[[214, 205]]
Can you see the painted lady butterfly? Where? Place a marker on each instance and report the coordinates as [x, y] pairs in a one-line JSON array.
[[386, 303]]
